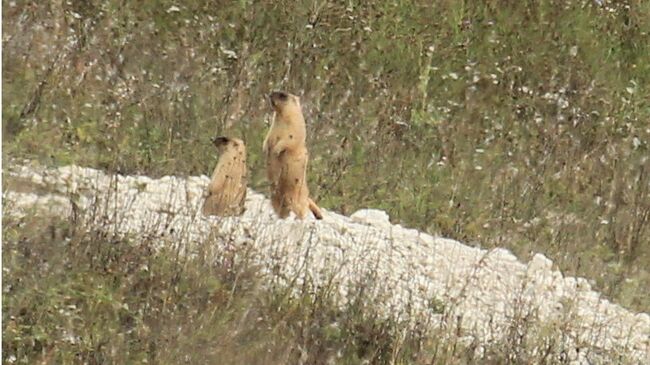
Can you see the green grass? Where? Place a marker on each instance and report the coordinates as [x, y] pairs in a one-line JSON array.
[[515, 124]]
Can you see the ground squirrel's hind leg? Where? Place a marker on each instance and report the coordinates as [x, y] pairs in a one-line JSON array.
[[315, 209], [214, 204], [280, 205], [207, 208]]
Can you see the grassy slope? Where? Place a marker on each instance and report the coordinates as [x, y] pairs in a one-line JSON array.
[[73, 294], [515, 124]]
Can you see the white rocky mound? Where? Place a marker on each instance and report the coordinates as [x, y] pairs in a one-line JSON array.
[[479, 295]]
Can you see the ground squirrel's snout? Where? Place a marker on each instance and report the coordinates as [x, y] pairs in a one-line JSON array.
[[276, 96], [279, 95], [220, 141], [278, 99]]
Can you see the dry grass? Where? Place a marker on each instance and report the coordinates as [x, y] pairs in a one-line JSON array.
[[73, 293]]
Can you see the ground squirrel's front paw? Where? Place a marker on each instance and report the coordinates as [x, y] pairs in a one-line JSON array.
[[277, 152]]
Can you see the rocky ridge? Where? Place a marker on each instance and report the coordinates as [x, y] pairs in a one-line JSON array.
[[482, 295]]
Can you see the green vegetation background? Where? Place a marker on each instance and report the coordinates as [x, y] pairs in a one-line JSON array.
[[518, 124]]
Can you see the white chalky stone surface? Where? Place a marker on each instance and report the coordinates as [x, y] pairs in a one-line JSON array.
[[483, 292]]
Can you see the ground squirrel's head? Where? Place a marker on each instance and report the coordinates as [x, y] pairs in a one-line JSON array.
[[223, 142], [284, 103]]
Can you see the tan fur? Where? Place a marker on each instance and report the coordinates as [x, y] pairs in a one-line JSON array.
[[227, 188], [287, 157]]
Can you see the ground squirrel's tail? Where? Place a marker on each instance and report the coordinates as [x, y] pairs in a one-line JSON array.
[[315, 209]]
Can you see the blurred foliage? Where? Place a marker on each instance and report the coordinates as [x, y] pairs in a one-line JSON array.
[[522, 124]]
